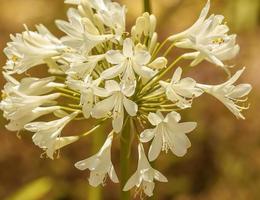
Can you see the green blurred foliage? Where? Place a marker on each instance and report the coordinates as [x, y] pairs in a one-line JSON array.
[[223, 162]]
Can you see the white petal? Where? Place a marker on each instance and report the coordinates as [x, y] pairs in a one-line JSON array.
[[159, 176], [112, 175], [132, 181], [113, 71], [156, 146], [102, 108], [173, 117], [130, 106], [114, 57], [240, 90], [147, 135], [177, 75], [142, 57], [154, 119], [128, 48], [158, 63]]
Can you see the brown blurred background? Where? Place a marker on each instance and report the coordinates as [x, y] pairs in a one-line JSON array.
[[224, 160]]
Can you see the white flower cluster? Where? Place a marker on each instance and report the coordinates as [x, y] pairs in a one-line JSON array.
[[99, 70]]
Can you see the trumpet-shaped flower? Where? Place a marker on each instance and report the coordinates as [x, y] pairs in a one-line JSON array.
[[144, 176], [168, 133], [30, 86], [230, 94], [18, 105], [181, 91], [116, 102], [81, 32], [127, 64], [29, 49], [100, 165], [47, 134], [209, 37]]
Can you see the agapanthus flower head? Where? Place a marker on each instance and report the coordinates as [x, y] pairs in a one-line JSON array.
[[100, 72]]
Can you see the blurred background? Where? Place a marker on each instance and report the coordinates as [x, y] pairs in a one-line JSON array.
[[224, 160]]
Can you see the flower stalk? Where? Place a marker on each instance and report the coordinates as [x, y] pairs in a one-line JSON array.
[[147, 6], [125, 141]]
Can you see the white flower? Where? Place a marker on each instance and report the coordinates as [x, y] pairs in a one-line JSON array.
[[181, 91], [168, 133], [18, 105], [230, 94], [116, 102], [47, 134], [144, 176], [81, 33], [89, 90], [30, 115], [30, 85], [128, 62], [29, 49], [209, 37], [100, 165], [81, 66], [112, 14]]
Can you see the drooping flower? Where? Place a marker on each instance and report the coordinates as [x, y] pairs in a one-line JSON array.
[[29, 49], [229, 94], [209, 37], [168, 134], [47, 134], [144, 176], [100, 165], [181, 91], [127, 64], [116, 102]]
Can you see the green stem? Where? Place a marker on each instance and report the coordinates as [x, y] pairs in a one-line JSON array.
[[124, 159], [147, 6]]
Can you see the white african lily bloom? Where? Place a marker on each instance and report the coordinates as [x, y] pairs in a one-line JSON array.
[[230, 94], [16, 105], [116, 102], [112, 14], [81, 66], [168, 133], [100, 165], [47, 134], [128, 62], [181, 91], [209, 37], [30, 115], [29, 49], [89, 90], [81, 32], [144, 176], [30, 85]]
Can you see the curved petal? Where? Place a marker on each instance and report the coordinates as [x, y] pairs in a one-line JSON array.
[[142, 57], [130, 106], [147, 135], [113, 71], [112, 175], [115, 57], [102, 108], [132, 181], [154, 119], [156, 146], [128, 48]]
